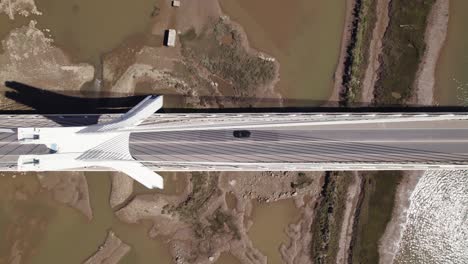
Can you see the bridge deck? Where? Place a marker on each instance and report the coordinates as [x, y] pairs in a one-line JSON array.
[[438, 142], [369, 143], [10, 150]]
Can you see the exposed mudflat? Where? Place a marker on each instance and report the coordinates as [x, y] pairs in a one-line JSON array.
[[435, 37], [215, 217], [111, 252], [29, 57], [215, 211], [212, 215], [18, 7], [69, 188], [451, 80], [345, 41], [303, 37]]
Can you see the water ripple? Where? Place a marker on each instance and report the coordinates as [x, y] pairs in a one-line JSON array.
[[437, 226]]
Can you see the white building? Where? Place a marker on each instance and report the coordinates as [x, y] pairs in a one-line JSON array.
[[175, 3], [171, 37]]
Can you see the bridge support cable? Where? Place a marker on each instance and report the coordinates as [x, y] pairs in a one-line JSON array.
[[140, 142], [101, 145]]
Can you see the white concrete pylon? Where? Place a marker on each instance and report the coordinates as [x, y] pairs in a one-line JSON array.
[[101, 145]]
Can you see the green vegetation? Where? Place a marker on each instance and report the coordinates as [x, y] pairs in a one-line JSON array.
[[358, 51], [373, 214], [221, 222], [403, 47], [194, 82], [204, 188], [219, 50], [329, 217]]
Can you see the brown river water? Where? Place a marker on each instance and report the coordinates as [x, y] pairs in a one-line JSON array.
[[304, 37], [451, 72], [269, 229], [69, 228], [88, 28], [59, 234]]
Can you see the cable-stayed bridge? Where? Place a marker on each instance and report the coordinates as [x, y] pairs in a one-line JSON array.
[[142, 141]]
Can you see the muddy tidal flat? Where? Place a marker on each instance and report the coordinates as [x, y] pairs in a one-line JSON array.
[[234, 54]]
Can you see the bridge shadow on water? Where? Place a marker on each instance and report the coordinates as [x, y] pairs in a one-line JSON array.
[[27, 99]]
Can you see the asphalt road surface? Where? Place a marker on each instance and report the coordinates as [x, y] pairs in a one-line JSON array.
[[432, 142], [301, 144]]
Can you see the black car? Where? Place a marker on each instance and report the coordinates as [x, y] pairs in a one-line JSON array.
[[241, 133]]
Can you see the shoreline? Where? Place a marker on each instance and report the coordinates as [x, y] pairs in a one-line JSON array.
[[213, 9], [334, 99], [389, 243], [269, 89], [346, 233], [435, 38], [423, 89]]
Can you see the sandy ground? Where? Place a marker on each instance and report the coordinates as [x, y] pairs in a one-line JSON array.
[[375, 49], [110, 252], [29, 57], [185, 246], [21, 7], [158, 67], [121, 190], [262, 186], [297, 251], [424, 86], [188, 247], [197, 14], [352, 197], [345, 37], [390, 241], [69, 188], [268, 90], [435, 35]]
